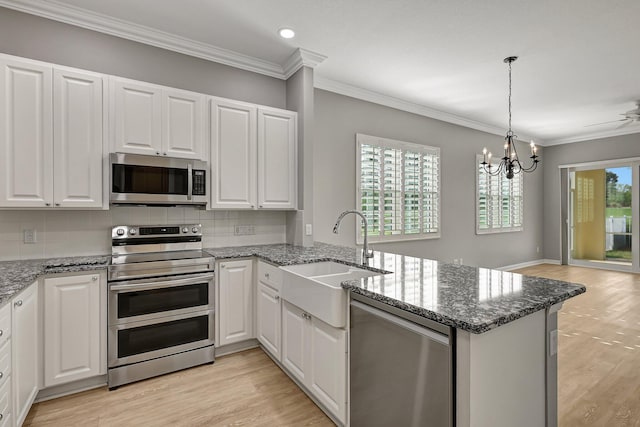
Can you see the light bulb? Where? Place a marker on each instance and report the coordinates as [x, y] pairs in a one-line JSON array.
[[286, 33]]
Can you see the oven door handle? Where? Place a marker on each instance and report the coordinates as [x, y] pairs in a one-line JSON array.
[[154, 284]]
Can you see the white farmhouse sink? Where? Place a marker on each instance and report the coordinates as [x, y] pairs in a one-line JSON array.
[[315, 288]]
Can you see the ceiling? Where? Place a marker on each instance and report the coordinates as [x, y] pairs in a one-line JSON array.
[[578, 59]]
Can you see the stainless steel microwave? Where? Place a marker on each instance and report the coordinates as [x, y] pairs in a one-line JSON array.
[[162, 181]]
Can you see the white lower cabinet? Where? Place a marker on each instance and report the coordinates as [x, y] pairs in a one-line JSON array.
[[73, 328], [268, 309], [234, 313], [25, 349], [315, 353], [268, 318], [6, 401]]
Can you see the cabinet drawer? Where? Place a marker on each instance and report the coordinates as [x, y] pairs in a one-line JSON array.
[[5, 404], [270, 275], [5, 362], [5, 323]]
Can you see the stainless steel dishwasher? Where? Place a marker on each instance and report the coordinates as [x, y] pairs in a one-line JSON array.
[[401, 371]]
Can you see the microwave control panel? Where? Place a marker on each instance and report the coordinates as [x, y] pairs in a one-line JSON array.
[[199, 186]]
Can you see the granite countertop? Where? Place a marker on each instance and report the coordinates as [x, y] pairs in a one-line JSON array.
[[468, 298], [17, 275]]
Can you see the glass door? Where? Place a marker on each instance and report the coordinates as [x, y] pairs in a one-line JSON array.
[[603, 215]]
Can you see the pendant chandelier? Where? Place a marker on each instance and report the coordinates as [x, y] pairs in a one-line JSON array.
[[510, 163]]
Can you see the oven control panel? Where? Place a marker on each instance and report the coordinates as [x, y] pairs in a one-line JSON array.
[[148, 232]]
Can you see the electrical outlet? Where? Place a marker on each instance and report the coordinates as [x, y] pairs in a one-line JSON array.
[[244, 230], [29, 235], [537, 249], [309, 229]]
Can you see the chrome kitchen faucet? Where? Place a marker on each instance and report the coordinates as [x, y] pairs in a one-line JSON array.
[[366, 253]]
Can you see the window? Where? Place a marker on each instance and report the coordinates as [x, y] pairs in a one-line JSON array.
[[499, 202], [398, 188]]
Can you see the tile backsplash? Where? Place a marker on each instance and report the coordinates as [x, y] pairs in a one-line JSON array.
[[71, 233]]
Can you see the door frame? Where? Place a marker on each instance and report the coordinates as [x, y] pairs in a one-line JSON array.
[[634, 163]]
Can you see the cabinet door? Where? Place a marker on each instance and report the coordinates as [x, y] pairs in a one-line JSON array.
[[26, 131], [71, 328], [268, 322], [77, 139], [25, 351], [277, 159], [136, 117], [235, 302], [183, 124], [295, 354], [233, 155], [328, 366]]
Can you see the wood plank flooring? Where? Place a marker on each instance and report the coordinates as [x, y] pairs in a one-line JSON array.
[[599, 375], [599, 347], [243, 389]]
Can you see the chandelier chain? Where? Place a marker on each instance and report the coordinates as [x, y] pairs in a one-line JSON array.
[[510, 97]]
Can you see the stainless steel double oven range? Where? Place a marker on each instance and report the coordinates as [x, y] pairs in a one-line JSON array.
[[161, 302]]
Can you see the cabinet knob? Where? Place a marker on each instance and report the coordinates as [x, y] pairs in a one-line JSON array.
[[164, 154], [47, 204], [157, 153], [277, 297], [223, 265], [57, 204], [1, 416], [18, 303], [1, 374], [94, 278], [252, 206], [260, 206], [266, 275], [1, 332]]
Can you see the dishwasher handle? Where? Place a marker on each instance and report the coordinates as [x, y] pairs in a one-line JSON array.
[[421, 330]]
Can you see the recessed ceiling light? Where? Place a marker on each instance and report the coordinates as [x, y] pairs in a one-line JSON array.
[[286, 33]]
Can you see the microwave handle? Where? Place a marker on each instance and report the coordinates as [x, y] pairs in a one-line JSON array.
[[189, 181]]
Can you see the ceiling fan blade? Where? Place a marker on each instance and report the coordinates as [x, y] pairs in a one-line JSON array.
[[626, 123], [604, 123]]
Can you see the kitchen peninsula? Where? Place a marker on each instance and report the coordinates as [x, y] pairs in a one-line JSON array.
[[505, 325]]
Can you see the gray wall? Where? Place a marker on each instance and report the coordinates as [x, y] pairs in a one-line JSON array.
[[38, 38], [618, 147], [338, 118]]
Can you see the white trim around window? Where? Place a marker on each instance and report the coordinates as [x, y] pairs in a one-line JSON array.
[[397, 189], [499, 201]]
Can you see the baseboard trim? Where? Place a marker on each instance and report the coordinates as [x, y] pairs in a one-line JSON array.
[[529, 264], [71, 388], [236, 347]]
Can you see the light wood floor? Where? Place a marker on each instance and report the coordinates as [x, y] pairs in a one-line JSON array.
[[599, 375], [599, 347], [243, 389]]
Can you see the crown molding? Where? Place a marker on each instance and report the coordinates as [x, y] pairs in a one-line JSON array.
[[421, 110], [597, 135], [301, 58], [57, 11]]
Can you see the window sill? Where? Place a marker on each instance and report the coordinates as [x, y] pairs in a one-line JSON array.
[[373, 241]]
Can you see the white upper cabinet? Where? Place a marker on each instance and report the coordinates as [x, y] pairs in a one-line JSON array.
[[26, 123], [183, 124], [77, 138], [52, 140], [233, 154], [156, 120], [136, 112], [277, 162], [253, 156]]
